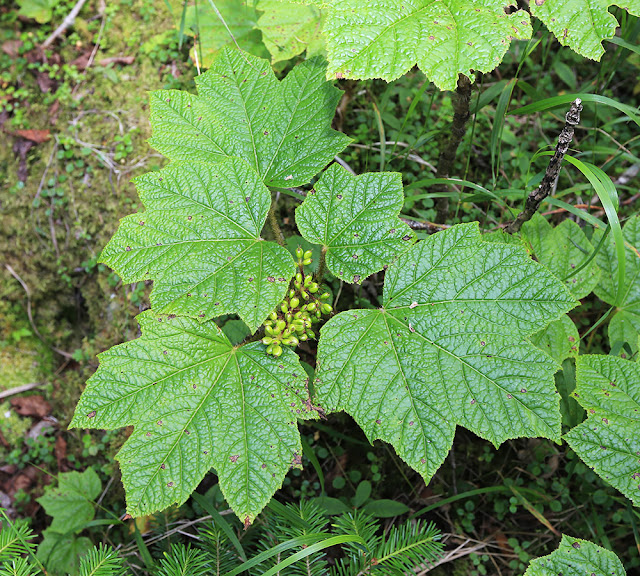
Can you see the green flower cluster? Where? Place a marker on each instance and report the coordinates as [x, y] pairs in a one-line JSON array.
[[291, 322]]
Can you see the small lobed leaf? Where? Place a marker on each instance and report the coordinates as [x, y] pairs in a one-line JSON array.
[[582, 24], [281, 128], [71, 501], [199, 241], [289, 28], [448, 348], [575, 557], [608, 441], [197, 402], [560, 339], [625, 324], [445, 38], [564, 249], [355, 219]]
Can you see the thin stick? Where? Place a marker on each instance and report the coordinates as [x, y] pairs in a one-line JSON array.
[[19, 389], [553, 169], [68, 21]]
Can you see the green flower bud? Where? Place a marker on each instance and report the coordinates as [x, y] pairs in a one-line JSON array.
[[311, 306], [298, 286], [308, 279], [295, 302], [298, 314], [308, 254], [266, 341], [269, 331], [289, 317], [268, 322], [281, 325], [299, 278], [326, 308], [284, 307], [299, 253], [325, 296], [292, 293], [306, 261], [277, 350], [273, 316], [313, 288], [311, 334], [270, 348], [304, 294], [293, 341], [318, 315], [303, 337]]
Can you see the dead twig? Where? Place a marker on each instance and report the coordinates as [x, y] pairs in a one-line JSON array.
[[19, 389], [68, 21], [553, 169]]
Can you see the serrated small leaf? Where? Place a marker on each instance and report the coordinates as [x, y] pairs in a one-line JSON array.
[[575, 557], [62, 553], [445, 38], [289, 28], [199, 241], [563, 249], [448, 348], [71, 502], [608, 388], [197, 402], [355, 218], [582, 24], [281, 128], [560, 339], [625, 324]]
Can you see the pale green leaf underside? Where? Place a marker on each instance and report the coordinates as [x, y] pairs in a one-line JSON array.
[[197, 402], [609, 440], [560, 339], [201, 21], [582, 24], [563, 249], [447, 348], [386, 38], [281, 128], [289, 28], [356, 219], [199, 241], [71, 502], [575, 557], [625, 324]]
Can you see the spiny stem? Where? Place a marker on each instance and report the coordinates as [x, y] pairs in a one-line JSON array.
[[322, 265], [553, 169], [450, 145], [273, 223]]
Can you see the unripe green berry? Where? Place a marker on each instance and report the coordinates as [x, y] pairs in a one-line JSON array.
[[299, 278], [304, 294], [303, 337], [277, 350], [311, 334], [284, 307], [308, 279], [266, 341], [311, 306], [269, 331], [273, 316], [292, 293], [326, 308], [299, 253], [308, 254], [298, 314], [293, 341], [270, 348], [281, 325], [289, 317], [306, 261], [313, 288], [295, 302], [325, 296]]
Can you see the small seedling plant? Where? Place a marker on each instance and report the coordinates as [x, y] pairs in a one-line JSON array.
[[468, 326]]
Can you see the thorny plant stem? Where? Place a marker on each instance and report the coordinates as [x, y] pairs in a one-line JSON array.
[[450, 145], [553, 169], [322, 265], [273, 223]]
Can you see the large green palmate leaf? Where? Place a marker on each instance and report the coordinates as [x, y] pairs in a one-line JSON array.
[[199, 241], [564, 249], [448, 347], [355, 219], [282, 129], [386, 38], [289, 28], [575, 557], [608, 441], [197, 402], [625, 324], [582, 24]]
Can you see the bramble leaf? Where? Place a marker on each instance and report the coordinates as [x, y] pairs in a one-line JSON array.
[[282, 129], [386, 38], [575, 557], [560, 339], [608, 388], [582, 24], [564, 249], [199, 241], [197, 402], [625, 324], [355, 218], [289, 28], [448, 348]]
